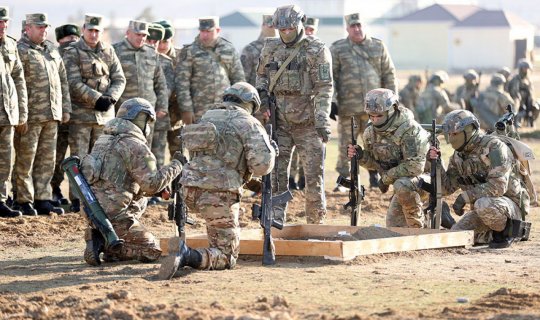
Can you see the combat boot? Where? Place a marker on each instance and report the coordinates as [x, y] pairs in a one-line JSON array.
[[58, 197], [302, 183], [95, 245], [292, 184], [75, 206], [7, 212], [185, 257], [44, 207], [26, 208], [447, 221], [502, 239], [373, 179]]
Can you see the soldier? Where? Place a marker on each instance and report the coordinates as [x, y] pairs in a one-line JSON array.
[[467, 93], [65, 35], [433, 101], [522, 91], [311, 26], [49, 103], [396, 146], [121, 171], [14, 106], [206, 68], [494, 99], [360, 63], [251, 53], [96, 81], [214, 178], [505, 71], [166, 47], [408, 96], [141, 66], [303, 92], [485, 170]]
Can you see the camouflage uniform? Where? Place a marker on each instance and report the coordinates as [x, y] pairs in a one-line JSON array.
[[121, 171], [250, 58], [202, 74], [488, 175], [409, 95], [494, 100], [214, 177], [174, 109], [13, 103], [303, 95], [48, 99], [357, 69], [521, 89], [144, 75], [467, 94], [398, 152], [432, 103]]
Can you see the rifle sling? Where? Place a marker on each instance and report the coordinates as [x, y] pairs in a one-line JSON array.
[[293, 54]]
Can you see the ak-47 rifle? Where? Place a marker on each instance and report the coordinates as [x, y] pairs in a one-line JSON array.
[[434, 209], [265, 213], [177, 209], [356, 190]]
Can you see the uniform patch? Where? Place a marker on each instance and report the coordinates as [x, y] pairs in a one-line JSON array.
[[324, 72]]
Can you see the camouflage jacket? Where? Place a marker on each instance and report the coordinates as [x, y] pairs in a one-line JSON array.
[[485, 168], [144, 76], [359, 68], [397, 151], [408, 96], [304, 90], [13, 86], [433, 102], [202, 74], [250, 59], [46, 82], [496, 100], [121, 168], [521, 90], [168, 71], [174, 109], [465, 96], [92, 73], [227, 146]]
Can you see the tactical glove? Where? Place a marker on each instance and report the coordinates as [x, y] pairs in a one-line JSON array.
[[254, 184], [180, 157], [383, 187], [104, 103], [333, 111], [359, 152], [459, 205], [265, 99], [324, 133]]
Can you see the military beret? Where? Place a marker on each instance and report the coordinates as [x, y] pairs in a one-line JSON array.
[[4, 13], [38, 19], [208, 23], [67, 30], [353, 18], [156, 32], [169, 29]]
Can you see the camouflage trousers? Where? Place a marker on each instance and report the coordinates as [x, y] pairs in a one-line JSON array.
[[296, 166], [220, 210], [174, 141], [81, 138], [159, 144], [405, 209], [488, 214], [6, 141], [311, 151], [61, 148], [34, 164], [344, 136]]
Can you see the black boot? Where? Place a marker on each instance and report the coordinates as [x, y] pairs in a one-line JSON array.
[[373, 179], [302, 183], [7, 212], [447, 221], [75, 205], [185, 257], [502, 239], [58, 197], [44, 207], [26, 208], [94, 248], [292, 184]]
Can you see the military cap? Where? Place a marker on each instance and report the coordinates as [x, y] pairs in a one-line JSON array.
[[38, 19], [93, 22], [156, 32], [353, 18], [67, 30], [138, 26], [4, 13], [169, 29], [208, 23], [267, 20], [312, 23]]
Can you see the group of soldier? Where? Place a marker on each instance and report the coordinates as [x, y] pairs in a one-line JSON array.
[[119, 106]]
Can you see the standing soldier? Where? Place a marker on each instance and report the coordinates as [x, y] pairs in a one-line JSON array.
[[311, 26], [141, 66], [215, 176], [65, 35], [494, 100], [360, 63], [505, 71], [13, 102], [396, 146], [522, 91], [297, 70], [206, 68], [49, 104], [433, 102], [252, 52], [96, 81], [408, 96], [467, 94]]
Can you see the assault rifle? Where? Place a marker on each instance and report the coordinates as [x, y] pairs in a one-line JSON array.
[[506, 125], [177, 209], [356, 191], [265, 213], [434, 209]]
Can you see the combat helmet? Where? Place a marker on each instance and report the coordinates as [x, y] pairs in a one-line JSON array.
[[380, 100], [457, 120], [132, 107], [471, 74], [497, 79], [524, 63], [245, 92], [289, 17], [440, 75]]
